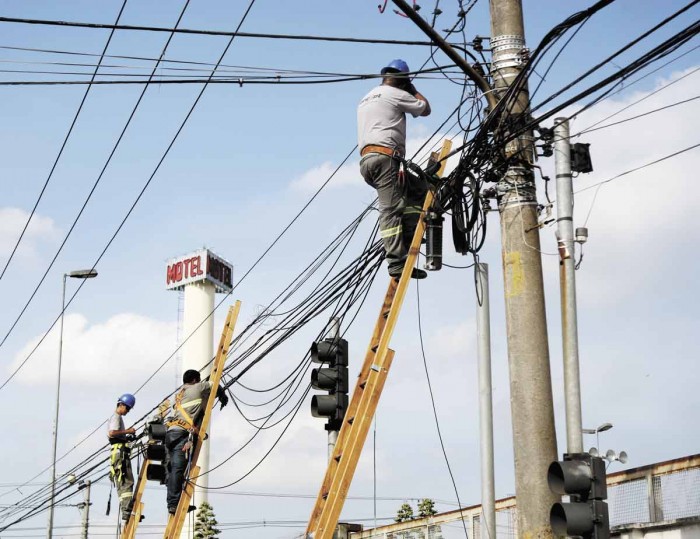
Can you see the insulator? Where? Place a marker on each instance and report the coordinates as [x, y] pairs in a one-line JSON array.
[[433, 241]]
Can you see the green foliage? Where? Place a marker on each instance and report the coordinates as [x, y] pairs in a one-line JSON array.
[[426, 508], [205, 525], [404, 513]]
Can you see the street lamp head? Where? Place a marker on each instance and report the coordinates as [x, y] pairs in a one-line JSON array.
[[604, 427], [83, 274]]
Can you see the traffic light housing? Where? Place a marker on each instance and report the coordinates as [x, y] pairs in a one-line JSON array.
[[583, 478], [581, 158], [333, 379]]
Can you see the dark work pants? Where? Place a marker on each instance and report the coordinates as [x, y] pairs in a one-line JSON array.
[[399, 205], [175, 439]]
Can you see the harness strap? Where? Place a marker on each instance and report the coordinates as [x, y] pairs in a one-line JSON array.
[[180, 408]]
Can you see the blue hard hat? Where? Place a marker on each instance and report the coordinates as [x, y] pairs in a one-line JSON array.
[[128, 399], [398, 66]]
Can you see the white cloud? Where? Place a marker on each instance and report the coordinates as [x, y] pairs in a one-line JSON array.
[[12, 221], [126, 347], [455, 340], [312, 179]]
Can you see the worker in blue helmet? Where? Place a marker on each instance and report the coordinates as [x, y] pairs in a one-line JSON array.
[[381, 127], [120, 471]]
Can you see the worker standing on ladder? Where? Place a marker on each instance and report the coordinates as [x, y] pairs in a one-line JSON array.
[[183, 428], [381, 125], [120, 458]]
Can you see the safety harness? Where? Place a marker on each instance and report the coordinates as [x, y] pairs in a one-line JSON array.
[[117, 461], [186, 422]]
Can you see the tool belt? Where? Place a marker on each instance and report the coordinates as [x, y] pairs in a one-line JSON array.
[[375, 148], [179, 423]]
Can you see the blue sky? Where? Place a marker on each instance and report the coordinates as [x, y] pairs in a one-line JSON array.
[[242, 169]]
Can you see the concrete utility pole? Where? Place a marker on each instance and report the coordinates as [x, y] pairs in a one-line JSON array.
[[85, 507], [534, 438], [483, 332], [567, 278]]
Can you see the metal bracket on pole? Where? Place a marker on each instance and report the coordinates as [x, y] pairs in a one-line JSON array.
[[517, 187]]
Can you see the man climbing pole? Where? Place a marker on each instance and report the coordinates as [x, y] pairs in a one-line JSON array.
[[183, 428], [381, 126], [120, 458]]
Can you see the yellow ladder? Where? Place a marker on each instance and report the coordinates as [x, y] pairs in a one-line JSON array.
[[175, 522], [368, 389]]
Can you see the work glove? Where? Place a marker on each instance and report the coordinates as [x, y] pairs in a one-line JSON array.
[[223, 397]]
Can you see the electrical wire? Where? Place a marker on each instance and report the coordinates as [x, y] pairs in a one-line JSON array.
[[136, 201], [294, 37], [63, 145], [598, 185], [435, 414], [654, 111]]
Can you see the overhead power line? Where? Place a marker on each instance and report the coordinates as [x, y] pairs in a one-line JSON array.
[[605, 126], [363, 293], [641, 167], [295, 37], [651, 163], [63, 145], [84, 205]]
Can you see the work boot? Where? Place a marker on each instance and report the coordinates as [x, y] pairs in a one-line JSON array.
[[415, 274]]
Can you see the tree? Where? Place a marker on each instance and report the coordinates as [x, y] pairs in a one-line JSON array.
[[426, 508], [205, 525], [404, 513]]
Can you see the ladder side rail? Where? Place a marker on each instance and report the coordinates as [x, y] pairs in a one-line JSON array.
[[133, 522], [331, 496], [176, 521], [216, 373], [354, 403], [335, 497], [348, 462]]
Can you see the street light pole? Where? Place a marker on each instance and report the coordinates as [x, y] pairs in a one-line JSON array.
[[78, 274]]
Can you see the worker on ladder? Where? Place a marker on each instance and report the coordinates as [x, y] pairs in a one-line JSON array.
[[183, 428], [381, 125], [120, 471]]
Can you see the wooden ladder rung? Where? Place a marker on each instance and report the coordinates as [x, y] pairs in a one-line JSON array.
[[176, 521], [365, 398]]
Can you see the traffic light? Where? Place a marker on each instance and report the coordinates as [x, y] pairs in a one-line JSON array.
[[581, 158], [333, 379], [582, 477]]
